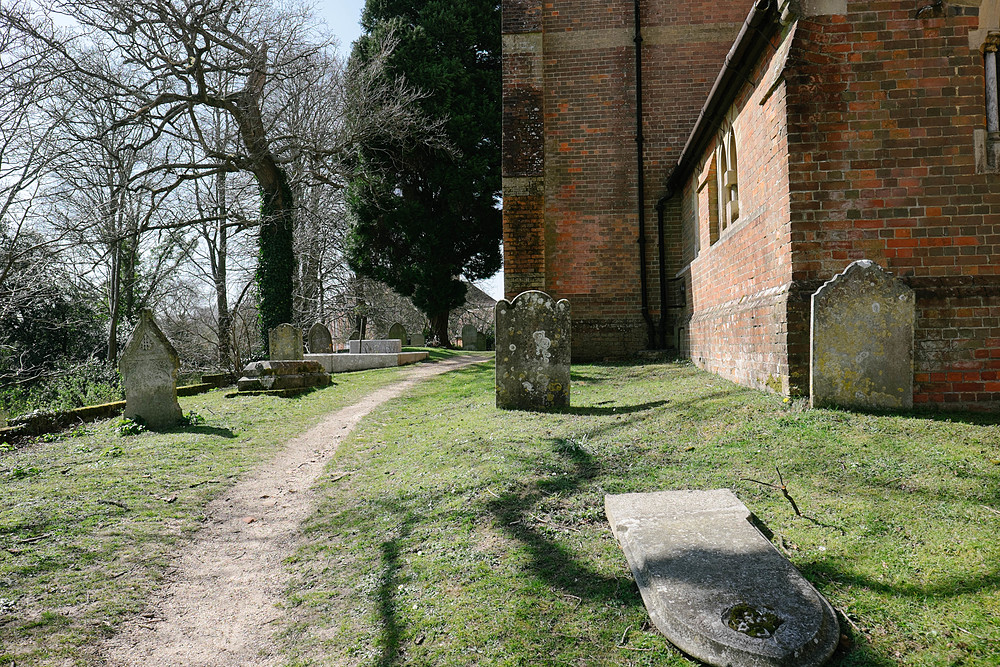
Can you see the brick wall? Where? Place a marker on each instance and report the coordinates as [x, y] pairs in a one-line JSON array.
[[739, 280], [882, 109], [570, 186]]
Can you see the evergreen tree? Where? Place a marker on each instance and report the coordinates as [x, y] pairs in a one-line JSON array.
[[425, 216]]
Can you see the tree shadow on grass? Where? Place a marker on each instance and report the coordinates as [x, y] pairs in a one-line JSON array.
[[389, 640], [925, 414], [549, 560], [607, 410], [217, 431]]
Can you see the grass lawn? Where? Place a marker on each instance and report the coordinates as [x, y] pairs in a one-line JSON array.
[[465, 535], [90, 518]]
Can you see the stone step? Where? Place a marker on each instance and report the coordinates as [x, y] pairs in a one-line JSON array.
[[715, 586]]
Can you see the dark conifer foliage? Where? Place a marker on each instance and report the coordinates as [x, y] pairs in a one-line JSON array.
[[425, 216]]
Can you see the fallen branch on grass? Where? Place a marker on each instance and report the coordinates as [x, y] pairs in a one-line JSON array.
[[780, 486]]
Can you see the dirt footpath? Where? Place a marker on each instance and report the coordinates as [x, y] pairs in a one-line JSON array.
[[220, 606]]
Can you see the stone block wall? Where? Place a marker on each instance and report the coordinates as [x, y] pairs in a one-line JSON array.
[[570, 164], [884, 108]]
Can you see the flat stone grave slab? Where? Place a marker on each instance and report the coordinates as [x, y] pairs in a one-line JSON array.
[[715, 586]]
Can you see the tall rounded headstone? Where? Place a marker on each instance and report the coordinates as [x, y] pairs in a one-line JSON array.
[[533, 352], [149, 367], [861, 347], [398, 332], [470, 337], [319, 339]]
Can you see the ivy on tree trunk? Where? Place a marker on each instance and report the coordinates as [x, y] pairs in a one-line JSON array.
[[276, 258]]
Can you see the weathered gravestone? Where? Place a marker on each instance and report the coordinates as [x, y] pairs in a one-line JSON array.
[[418, 340], [149, 372], [533, 352], [285, 343], [861, 348], [398, 332], [319, 338], [470, 337], [355, 335]]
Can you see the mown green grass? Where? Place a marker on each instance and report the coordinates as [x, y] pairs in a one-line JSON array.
[[466, 535], [89, 519]]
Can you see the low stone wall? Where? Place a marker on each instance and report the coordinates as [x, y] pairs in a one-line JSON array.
[[389, 346], [40, 423], [345, 363]]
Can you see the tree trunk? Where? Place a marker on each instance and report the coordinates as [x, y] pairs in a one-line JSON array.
[[439, 328], [276, 252], [276, 258], [219, 266]]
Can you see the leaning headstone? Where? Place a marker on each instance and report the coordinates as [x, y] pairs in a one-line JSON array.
[[418, 340], [470, 337], [285, 343], [715, 586], [149, 373], [533, 352], [319, 338], [398, 332], [861, 348]]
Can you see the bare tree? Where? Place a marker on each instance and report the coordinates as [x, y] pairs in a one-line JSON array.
[[246, 58]]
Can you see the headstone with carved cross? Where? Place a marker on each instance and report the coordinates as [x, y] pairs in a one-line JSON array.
[[149, 373]]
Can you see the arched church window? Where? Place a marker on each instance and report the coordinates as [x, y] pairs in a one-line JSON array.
[[728, 178]]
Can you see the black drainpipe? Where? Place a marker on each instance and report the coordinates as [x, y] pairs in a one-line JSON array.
[[641, 184], [660, 205]]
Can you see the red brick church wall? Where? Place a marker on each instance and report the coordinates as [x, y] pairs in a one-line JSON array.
[[882, 109], [570, 186]]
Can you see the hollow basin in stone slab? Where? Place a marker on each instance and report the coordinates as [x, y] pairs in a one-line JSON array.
[[715, 586]]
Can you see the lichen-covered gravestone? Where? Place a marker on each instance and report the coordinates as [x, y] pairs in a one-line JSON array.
[[418, 340], [285, 343], [398, 332], [149, 372], [470, 337], [861, 351], [320, 340], [533, 352]]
